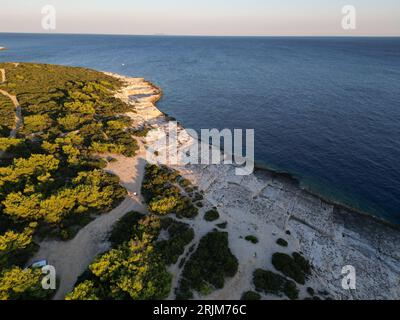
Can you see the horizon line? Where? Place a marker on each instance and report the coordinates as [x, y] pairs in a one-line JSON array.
[[205, 35]]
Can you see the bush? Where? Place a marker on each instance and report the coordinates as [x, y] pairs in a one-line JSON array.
[[272, 283], [302, 263], [141, 132], [282, 242], [310, 291], [133, 270], [251, 295], [180, 235], [123, 230], [222, 225], [211, 215], [295, 267], [252, 239], [208, 265], [22, 284], [163, 196]]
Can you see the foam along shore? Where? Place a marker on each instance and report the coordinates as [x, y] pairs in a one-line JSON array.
[[272, 206]]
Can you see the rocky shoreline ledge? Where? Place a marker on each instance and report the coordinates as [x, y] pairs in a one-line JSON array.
[[269, 206]]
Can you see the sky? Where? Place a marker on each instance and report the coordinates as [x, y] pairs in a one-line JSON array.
[[204, 17]]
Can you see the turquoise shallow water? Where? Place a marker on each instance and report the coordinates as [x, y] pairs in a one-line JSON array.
[[326, 110]]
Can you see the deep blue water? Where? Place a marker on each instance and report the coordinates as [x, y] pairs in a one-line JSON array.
[[324, 109]]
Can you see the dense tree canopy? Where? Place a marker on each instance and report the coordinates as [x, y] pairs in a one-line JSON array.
[[51, 177], [22, 284], [133, 270]]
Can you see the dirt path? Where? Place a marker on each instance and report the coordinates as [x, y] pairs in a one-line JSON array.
[[18, 113], [3, 75], [18, 110]]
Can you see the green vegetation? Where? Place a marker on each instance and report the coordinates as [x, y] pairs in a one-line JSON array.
[[208, 266], [211, 215], [310, 291], [133, 270], [251, 295], [7, 116], [51, 177], [282, 242], [179, 236], [69, 115], [136, 266], [295, 267], [141, 132], [252, 239], [124, 229], [272, 283], [161, 191], [22, 284], [222, 225], [16, 247]]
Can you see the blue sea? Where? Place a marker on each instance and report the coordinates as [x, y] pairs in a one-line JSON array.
[[326, 110]]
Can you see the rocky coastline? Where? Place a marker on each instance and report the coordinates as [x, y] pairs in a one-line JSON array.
[[269, 204]]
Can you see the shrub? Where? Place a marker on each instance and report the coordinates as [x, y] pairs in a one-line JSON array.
[[22, 284], [282, 242], [251, 295], [272, 283], [295, 267], [211, 215], [252, 239], [133, 270], [124, 229], [162, 195], [302, 263], [222, 225], [141, 132], [180, 235], [163, 206], [208, 265]]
